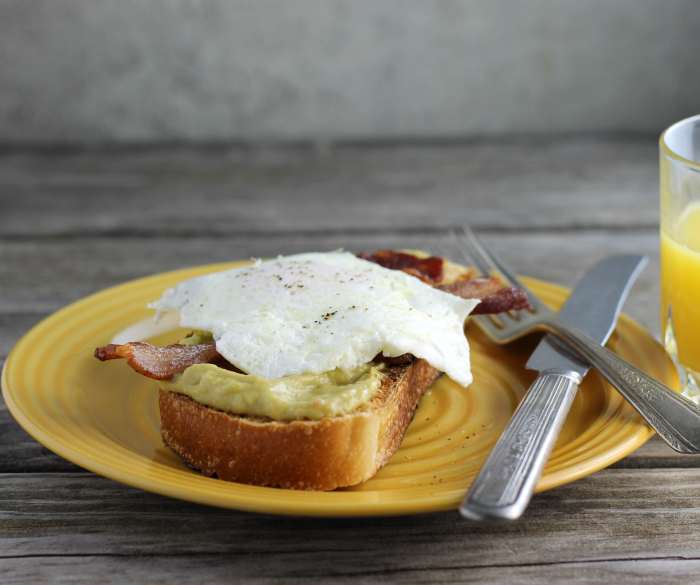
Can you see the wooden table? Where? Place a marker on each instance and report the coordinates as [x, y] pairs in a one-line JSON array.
[[76, 222]]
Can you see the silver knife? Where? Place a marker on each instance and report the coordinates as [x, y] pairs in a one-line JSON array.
[[504, 486]]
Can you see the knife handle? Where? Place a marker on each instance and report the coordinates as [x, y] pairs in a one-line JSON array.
[[675, 418], [507, 480]]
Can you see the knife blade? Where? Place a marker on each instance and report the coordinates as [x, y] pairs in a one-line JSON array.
[[504, 486]]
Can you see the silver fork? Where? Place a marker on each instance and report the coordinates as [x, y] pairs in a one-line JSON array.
[[675, 418]]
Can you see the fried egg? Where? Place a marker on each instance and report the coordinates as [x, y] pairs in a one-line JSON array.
[[313, 313]]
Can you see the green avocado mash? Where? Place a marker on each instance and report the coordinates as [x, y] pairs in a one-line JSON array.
[[306, 396], [197, 338]]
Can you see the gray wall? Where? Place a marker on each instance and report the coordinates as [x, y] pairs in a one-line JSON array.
[[86, 71]]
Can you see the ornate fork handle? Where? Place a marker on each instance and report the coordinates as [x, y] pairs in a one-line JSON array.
[[657, 403]]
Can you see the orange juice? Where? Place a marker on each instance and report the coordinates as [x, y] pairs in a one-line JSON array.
[[680, 285]]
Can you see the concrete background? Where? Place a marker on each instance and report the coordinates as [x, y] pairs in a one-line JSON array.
[[154, 71]]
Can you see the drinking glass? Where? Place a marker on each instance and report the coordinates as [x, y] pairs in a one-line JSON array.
[[680, 250]]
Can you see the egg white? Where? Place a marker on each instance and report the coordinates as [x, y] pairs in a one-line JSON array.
[[312, 313]]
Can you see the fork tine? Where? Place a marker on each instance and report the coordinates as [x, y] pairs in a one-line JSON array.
[[480, 249], [452, 251], [456, 250], [466, 249], [496, 264], [464, 244]]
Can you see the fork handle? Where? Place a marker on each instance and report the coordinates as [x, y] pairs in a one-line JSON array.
[[675, 418], [507, 480]]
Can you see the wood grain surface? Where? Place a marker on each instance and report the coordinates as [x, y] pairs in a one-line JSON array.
[[74, 222]]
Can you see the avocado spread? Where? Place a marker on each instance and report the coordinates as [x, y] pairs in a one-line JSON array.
[[197, 338], [306, 396]]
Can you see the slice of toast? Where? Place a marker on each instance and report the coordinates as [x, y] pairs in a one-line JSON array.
[[302, 454]]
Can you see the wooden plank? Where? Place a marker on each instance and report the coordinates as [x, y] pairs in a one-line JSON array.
[[12, 326], [656, 454], [40, 276], [532, 184], [628, 524], [203, 567], [22, 454]]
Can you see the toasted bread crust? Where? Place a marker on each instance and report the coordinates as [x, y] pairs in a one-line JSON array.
[[304, 454]]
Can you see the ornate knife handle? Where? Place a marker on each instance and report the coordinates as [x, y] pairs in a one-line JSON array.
[[674, 417], [506, 482]]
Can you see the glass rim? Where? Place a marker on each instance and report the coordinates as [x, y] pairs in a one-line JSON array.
[[672, 154]]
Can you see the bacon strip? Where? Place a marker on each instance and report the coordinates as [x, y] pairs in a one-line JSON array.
[[160, 363], [474, 288], [429, 270], [404, 358], [494, 299], [506, 299]]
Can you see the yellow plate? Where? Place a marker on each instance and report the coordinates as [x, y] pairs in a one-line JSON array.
[[104, 417]]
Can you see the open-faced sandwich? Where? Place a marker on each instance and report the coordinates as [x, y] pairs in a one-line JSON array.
[[303, 372]]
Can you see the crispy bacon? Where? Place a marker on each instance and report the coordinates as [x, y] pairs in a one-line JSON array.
[[160, 363], [494, 299], [474, 288], [429, 270], [404, 358], [506, 299]]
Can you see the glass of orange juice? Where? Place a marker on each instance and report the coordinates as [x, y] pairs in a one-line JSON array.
[[680, 250]]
